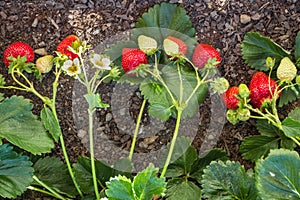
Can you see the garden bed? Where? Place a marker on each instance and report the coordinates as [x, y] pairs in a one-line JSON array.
[[222, 24]]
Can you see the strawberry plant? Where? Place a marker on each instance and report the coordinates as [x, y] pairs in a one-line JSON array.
[[173, 73], [168, 79], [267, 92]]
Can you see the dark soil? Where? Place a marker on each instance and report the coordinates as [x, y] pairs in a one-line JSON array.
[[221, 23]]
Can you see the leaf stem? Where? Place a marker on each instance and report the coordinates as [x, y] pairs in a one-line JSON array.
[[172, 146], [61, 138], [94, 90], [91, 136], [137, 126], [53, 192]]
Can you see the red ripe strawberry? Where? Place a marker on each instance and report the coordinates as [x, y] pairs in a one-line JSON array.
[[259, 89], [230, 99], [174, 45], [18, 49], [132, 58], [63, 46], [202, 53]]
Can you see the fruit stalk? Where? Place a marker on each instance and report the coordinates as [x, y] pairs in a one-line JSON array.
[[61, 138], [175, 134], [53, 192], [138, 122], [91, 136]]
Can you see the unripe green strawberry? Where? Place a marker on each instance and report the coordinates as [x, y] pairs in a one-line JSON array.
[[298, 79], [286, 70], [147, 44], [173, 45], [44, 64]]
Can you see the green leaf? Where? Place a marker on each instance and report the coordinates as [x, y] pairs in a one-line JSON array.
[[54, 173], [256, 48], [51, 123], [183, 165], [94, 101], [288, 96], [159, 111], [291, 127], [295, 114], [146, 184], [15, 172], [119, 188], [228, 181], [297, 46], [267, 129], [291, 124], [279, 175], [254, 147], [204, 160], [1, 97], [20, 127], [181, 188], [83, 173], [169, 16]]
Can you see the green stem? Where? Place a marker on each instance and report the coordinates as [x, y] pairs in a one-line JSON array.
[[13, 88], [61, 138], [296, 141], [180, 86], [48, 188], [175, 134], [138, 122], [94, 88], [41, 191], [91, 136]]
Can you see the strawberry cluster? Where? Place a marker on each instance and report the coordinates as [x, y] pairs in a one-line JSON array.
[[240, 100], [132, 58], [21, 54]]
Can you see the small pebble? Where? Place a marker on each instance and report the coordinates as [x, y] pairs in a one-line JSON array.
[[244, 19], [108, 117]]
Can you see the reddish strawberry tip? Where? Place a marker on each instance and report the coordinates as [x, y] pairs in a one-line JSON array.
[[63, 46], [182, 46], [230, 99], [132, 58], [202, 53], [18, 49]]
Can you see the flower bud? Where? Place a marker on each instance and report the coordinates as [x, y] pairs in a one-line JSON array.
[[243, 114], [270, 62], [232, 116], [244, 91]]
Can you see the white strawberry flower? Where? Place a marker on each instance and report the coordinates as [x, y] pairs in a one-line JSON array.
[[101, 62], [72, 67]]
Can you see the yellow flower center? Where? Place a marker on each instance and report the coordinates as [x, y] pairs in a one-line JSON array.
[[73, 69], [99, 63]]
